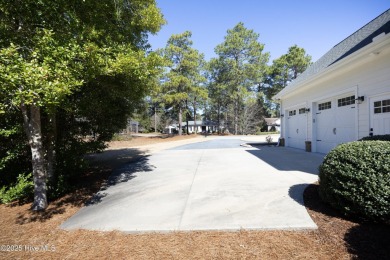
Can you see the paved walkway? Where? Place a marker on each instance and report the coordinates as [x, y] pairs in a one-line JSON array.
[[212, 185]]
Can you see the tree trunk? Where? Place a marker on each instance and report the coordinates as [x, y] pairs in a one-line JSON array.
[[219, 117], [180, 120], [235, 118], [32, 126], [196, 127], [155, 119], [226, 120], [51, 149], [187, 116]]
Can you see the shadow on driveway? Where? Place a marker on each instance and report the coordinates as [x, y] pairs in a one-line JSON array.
[[288, 159], [124, 163], [296, 192]]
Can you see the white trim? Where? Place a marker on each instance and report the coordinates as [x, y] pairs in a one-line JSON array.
[[371, 109], [298, 105], [335, 94], [378, 95], [313, 123]]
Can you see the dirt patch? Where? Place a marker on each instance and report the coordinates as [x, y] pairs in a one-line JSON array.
[[35, 235], [145, 141]]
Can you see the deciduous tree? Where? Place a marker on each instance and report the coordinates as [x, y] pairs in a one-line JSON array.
[[58, 54]]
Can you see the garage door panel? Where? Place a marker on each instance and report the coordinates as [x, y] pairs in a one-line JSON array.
[[381, 126], [386, 125], [325, 126], [345, 124], [325, 147], [335, 125], [297, 125], [345, 134], [380, 115]]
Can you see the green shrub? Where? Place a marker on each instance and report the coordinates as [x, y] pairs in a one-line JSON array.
[[376, 138], [22, 189], [355, 179], [15, 155]]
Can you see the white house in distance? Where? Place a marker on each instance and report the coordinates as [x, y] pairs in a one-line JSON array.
[[201, 127], [273, 123], [344, 96]]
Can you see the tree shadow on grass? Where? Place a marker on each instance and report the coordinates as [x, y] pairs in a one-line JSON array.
[[106, 169]]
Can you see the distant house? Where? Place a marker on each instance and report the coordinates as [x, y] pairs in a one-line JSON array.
[[273, 124], [170, 129], [201, 126], [344, 96]]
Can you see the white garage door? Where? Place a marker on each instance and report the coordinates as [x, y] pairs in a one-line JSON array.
[[297, 128], [335, 122], [380, 115]]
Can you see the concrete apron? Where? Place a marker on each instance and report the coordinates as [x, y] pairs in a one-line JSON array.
[[205, 189]]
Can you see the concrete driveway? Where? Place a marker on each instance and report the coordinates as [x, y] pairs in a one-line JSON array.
[[213, 185]]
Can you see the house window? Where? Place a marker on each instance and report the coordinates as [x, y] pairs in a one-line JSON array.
[[292, 112], [382, 106], [346, 101], [302, 110], [324, 106]]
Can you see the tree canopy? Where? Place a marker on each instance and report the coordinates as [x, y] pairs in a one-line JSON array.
[[240, 66], [183, 75], [66, 60], [285, 69]]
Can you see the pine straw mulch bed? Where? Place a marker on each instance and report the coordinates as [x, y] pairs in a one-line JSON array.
[[32, 235]]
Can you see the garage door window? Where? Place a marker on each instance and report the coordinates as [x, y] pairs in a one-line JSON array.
[[292, 112], [346, 101], [324, 106], [382, 106], [302, 111]]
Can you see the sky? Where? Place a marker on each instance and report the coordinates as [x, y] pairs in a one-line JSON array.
[[314, 25]]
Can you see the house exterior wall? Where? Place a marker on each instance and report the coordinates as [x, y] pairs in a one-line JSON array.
[[191, 129], [366, 73]]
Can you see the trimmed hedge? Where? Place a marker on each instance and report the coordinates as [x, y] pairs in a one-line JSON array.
[[376, 138], [355, 179]]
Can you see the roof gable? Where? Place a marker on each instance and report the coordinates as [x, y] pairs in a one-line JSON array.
[[348, 46], [383, 29]]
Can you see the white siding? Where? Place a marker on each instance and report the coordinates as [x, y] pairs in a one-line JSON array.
[[368, 76]]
